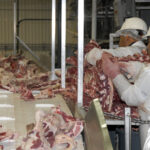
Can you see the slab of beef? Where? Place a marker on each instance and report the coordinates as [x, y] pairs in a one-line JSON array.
[[53, 130]]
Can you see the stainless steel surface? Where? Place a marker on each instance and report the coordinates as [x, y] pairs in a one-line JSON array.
[[80, 49], [15, 18], [63, 43], [127, 129], [94, 19], [53, 31], [96, 132]]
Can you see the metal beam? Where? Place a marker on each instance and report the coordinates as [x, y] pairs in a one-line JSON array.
[[80, 50], [58, 20], [63, 43], [53, 31], [15, 19], [94, 19], [127, 129]]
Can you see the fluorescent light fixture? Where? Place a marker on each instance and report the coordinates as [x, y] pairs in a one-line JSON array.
[[6, 105], [44, 105], [3, 96], [6, 119]]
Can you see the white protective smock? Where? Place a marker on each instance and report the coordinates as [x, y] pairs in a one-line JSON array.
[[96, 53], [137, 94], [147, 141]]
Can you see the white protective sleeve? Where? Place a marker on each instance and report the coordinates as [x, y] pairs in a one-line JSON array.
[[96, 53], [147, 141], [137, 94]]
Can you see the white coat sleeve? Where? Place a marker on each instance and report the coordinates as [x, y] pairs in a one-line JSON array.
[[147, 141], [96, 53], [134, 95], [125, 51]]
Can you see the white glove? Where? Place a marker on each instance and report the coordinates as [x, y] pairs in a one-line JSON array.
[[94, 55]]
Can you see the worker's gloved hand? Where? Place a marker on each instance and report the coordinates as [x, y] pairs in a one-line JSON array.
[[110, 68], [94, 55]]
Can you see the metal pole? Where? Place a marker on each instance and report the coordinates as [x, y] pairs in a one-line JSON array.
[[94, 19], [63, 43], [111, 41], [58, 15], [80, 49], [127, 129], [17, 25], [53, 39], [15, 17]]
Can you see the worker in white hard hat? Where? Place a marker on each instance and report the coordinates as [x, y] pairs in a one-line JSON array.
[[130, 42]]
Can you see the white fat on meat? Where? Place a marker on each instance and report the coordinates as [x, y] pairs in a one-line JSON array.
[[64, 142], [102, 77], [53, 131]]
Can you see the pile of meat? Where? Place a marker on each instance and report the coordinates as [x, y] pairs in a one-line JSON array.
[[98, 85], [54, 130], [20, 75]]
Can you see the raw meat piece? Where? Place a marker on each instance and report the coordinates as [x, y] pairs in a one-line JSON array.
[[88, 47], [6, 134], [53, 131]]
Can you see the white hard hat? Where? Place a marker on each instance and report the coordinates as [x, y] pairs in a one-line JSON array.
[[134, 23]]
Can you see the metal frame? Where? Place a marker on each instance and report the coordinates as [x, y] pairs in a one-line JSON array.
[[15, 29], [80, 50], [111, 40], [127, 126], [94, 19], [63, 43], [127, 129], [53, 30]]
